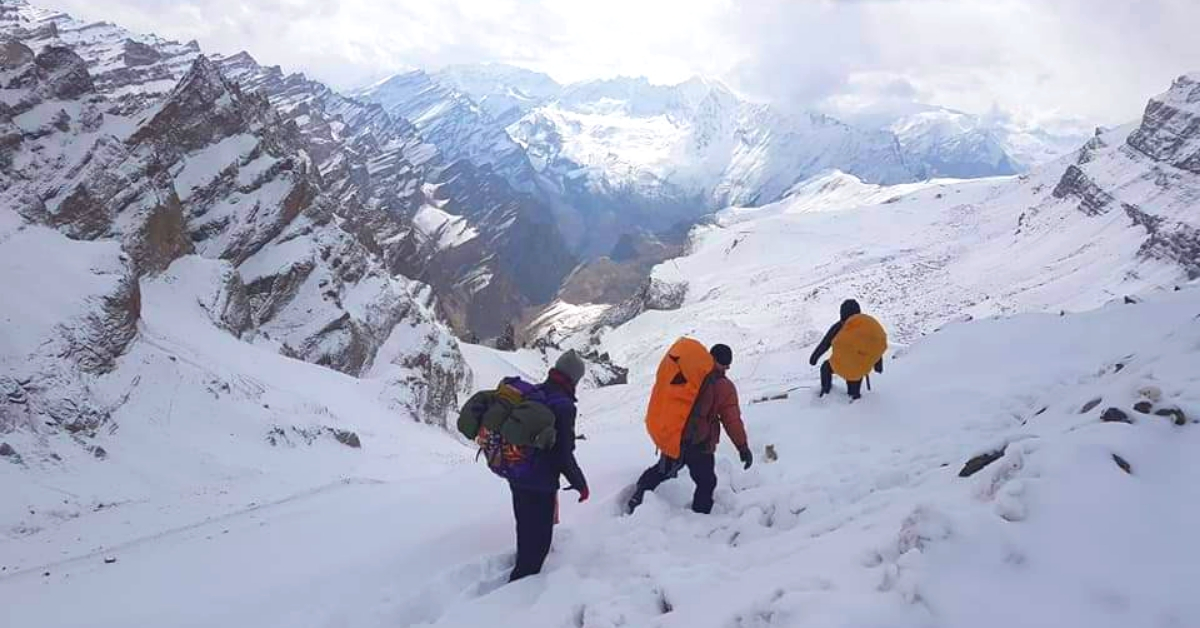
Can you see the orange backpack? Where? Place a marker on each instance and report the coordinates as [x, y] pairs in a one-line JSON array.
[[857, 347], [681, 374]]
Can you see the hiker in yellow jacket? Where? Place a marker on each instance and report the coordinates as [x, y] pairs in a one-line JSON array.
[[858, 342]]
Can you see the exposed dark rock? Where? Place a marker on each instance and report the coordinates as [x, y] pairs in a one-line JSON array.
[[65, 74], [1114, 415], [107, 332], [231, 309], [137, 53], [1123, 463], [1175, 414], [14, 54], [1131, 300], [1177, 242], [1087, 407], [654, 294], [76, 416], [1143, 406], [976, 464], [1167, 132], [1093, 200], [268, 295], [98, 452], [347, 438], [162, 238], [7, 450]]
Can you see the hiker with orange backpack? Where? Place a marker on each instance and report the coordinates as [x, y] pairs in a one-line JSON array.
[[858, 342], [526, 433], [692, 399]]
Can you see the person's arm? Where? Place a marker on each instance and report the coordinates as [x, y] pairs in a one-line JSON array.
[[826, 343], [729, 412], [564, 447]]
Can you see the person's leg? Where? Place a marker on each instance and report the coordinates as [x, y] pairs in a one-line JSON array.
[[826, 378], [534, 511], [702, 466], [663, 470], [854, 388]]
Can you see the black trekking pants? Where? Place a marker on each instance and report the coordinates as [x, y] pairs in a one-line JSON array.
[[702, 467], [852, 387], [534, 511]]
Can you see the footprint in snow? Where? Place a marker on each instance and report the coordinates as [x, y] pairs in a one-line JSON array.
[[450, 588]]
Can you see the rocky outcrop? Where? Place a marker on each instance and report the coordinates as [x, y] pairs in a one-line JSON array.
[[1093, 200], [1150, 175], [1170, 129], [655, 294]]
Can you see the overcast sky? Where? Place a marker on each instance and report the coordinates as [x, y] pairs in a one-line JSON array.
[[1098, 60]]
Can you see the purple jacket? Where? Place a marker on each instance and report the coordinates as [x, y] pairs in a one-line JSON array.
[[559, 460]]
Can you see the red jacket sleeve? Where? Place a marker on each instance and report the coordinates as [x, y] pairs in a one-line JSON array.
[[730, 413]]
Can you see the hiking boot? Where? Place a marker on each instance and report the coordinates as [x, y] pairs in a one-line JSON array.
[[854, 398], [634, 502]]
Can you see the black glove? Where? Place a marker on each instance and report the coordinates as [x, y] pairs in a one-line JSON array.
[[879, 367], [747, 457], [812, 361]]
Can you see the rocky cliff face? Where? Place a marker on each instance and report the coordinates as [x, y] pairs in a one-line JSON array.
[[1170, 129], [114, 190], [432, 211], [1150, 174]]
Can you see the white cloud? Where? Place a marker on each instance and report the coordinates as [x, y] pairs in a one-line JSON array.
[[1097, 59]]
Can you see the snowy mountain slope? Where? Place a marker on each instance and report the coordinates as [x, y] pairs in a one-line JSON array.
[[505, 92], [696, 138], [1116, 218], [128, 66], [862, 521], [381, 163], [210, 170], [376, 166], [953, 144], [454, 123]]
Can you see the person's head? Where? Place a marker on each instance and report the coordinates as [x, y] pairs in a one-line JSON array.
[[571, 365], [723, 356], [850, 307]]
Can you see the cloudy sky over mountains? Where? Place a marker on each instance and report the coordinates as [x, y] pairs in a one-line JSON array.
[[1095, 59]]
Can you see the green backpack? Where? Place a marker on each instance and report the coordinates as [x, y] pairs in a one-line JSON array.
[[516, 411]]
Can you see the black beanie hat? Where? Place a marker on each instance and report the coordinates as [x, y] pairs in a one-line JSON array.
[[722, 354]]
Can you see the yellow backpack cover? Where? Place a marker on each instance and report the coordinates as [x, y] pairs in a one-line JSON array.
[[861, 342]]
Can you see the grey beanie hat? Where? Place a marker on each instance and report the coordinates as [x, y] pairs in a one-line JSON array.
[[571, 365]]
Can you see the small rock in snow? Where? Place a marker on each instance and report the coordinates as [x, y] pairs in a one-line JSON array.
[[7, 450], [110, 560], [1177, 415], [1130, 300], [1143, 406], [1123, 463], [976, 464], [99, 453], [1087, 407], [347, 438], [1114, 415]]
